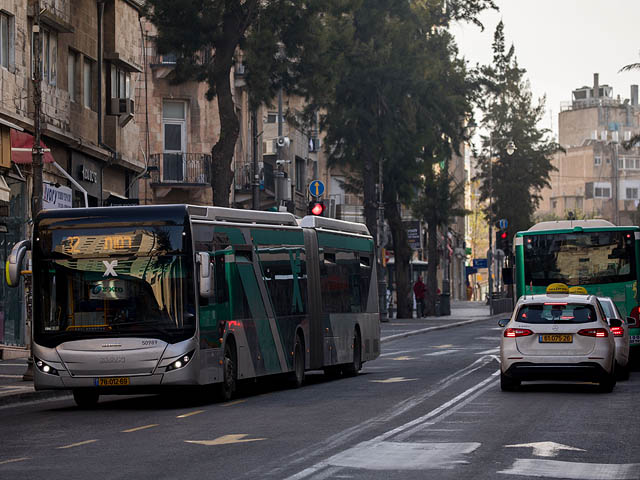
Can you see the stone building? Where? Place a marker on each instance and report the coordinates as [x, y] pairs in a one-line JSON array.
[[90, 65], [597, 176]]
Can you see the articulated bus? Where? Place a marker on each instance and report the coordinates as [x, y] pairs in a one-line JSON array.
[[138, 299], [594, 254]]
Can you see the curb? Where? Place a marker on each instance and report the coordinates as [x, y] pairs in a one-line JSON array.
[[32, 397], [390, 338]]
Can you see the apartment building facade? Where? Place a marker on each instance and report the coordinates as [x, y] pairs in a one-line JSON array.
[[596, 176], [90, 65]]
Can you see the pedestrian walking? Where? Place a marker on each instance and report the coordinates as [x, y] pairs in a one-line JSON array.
[[419, 290]]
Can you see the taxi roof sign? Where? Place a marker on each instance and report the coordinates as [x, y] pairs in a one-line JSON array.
[[578, 290], [558, 288]]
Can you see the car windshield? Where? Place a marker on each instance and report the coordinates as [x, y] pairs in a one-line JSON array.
[[556, 312]]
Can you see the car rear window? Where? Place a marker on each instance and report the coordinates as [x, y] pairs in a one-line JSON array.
[[557, 313]]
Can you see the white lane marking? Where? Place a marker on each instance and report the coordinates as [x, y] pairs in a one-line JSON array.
[[403, 431], [394, 380], [496, 338], [448, 345], [489, 352], [403, 456], [404, 357], [144, 427], [13, 460], [86, 442], [545, 449], [396, 353], [185, 415], [440, 352], [573, 470], [226, 439], [400, 408]]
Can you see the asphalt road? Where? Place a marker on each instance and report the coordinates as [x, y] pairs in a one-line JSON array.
[[430, 407]]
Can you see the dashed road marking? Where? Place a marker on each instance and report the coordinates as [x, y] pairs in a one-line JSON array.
[[441, 352], [13, 460], [144, 427], [226, 439], [394, 380], [403, 358], [185, 415], [573, 470], [231, 404], [73, 445]]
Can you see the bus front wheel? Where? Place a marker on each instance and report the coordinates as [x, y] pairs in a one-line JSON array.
[[296, 378], [228, 386], [86, 397], [352, 369]]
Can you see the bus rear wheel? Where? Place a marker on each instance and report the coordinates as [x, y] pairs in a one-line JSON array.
[[352, 369], [296, 378], [229, 374], [86, 397]]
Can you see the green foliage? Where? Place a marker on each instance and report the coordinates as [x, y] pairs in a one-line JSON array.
[[509, 113]]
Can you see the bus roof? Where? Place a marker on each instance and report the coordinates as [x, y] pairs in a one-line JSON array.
[[312, 221], [565, 226], [91, 216]]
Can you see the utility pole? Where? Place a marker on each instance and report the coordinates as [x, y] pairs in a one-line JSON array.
[[382, 283], [254, 151], [36, 155]]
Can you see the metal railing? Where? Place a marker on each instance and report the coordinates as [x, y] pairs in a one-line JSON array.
[[180, 168]]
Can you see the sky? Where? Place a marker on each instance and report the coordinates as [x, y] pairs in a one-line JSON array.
[[561, 44]]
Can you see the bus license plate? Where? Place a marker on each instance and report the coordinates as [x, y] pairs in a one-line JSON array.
[[556, 338], [112, 381]]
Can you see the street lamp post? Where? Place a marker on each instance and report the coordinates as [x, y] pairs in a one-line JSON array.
[[510, 149]]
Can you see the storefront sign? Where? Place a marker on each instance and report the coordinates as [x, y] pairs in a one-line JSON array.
[[413, 234], [56, 197], [88, 175]]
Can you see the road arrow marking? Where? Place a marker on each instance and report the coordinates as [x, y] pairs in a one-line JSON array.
[[226, 439], [545, 449], [394, 380]]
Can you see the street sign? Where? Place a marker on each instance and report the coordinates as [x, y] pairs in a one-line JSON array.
[[503, 223], [316, 188], [480, 263]]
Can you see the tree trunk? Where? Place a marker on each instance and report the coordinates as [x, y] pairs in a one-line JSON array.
[[432, 268], [369, 178], [402, 256], [222, 152]]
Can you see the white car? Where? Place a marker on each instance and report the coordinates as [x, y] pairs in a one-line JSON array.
[[557, 336], [620, 335]]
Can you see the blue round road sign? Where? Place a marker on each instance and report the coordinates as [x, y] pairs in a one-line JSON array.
[[316, 188]]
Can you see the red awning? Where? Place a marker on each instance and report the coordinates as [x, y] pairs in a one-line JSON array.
[[21, 146]]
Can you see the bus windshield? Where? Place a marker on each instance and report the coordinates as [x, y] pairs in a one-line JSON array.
[[581, 258], [129, 283]]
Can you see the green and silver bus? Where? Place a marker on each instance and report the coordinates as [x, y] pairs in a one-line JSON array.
[[595, 254], [143, 298]]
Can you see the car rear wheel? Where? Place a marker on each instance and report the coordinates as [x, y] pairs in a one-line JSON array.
[[508, 384], [607, 383], [622, 372]]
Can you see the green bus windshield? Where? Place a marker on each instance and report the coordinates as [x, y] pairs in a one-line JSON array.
[[579, 258]]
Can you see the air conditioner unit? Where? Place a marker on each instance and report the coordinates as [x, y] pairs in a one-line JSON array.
[[269, 147], [603, 135], [120, 106]]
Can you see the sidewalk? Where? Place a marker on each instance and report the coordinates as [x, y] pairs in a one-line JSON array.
[[15, 390]]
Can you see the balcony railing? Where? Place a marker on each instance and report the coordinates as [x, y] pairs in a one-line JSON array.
[[190, 169]]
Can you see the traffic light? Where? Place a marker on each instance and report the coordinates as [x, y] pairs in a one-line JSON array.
[[502, 240], [316, 208]]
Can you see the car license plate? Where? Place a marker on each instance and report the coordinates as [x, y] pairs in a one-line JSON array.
[[556, 338], [112, 381]]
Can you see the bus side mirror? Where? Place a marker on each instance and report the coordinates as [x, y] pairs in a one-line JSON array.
[[205, 275], [631, 322], [15, 261]]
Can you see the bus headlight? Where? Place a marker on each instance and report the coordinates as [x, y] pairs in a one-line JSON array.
[[44, 367], [180, 362]]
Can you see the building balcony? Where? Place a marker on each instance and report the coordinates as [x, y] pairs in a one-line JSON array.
[[180, 169]]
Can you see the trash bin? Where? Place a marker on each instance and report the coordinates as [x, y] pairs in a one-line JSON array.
[[444, 302]]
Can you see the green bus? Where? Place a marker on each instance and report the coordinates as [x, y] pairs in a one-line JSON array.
[[145, 298], [595, 254]]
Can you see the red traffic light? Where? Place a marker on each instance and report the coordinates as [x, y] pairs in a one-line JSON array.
[[503, 235], [317, 208]]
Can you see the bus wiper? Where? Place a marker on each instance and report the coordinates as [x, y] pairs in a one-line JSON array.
[[154, 325]]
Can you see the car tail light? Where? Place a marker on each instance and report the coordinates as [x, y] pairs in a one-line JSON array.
[[617, 331], [593, 332], [517, 332]]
